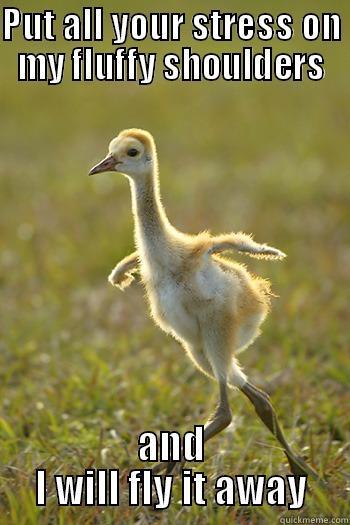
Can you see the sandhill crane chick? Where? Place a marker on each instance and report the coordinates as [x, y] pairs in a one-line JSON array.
[[211, 305]]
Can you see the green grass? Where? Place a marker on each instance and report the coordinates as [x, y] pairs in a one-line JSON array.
[[83, 371]]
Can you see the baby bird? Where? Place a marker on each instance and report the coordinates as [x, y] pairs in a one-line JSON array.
[[211, 305]]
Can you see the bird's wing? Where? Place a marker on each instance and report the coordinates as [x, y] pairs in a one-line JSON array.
[[245, 244]]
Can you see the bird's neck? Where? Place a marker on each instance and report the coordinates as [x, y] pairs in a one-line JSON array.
[[152, 227]]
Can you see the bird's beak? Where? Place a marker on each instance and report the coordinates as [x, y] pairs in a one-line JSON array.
[[107, 164]]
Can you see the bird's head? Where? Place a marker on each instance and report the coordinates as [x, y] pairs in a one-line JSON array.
[[131, 153]]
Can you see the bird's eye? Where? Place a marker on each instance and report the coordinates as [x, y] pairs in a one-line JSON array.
[[132, 152]]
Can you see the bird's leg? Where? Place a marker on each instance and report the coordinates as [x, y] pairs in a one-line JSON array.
[[220, 419], [268, 416]]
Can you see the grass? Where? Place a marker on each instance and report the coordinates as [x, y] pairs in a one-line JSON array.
[[83, 371]]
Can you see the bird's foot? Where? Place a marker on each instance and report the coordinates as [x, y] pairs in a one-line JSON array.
[[300, 468]]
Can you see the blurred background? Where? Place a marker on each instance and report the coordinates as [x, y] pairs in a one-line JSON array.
[[83, 371]]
